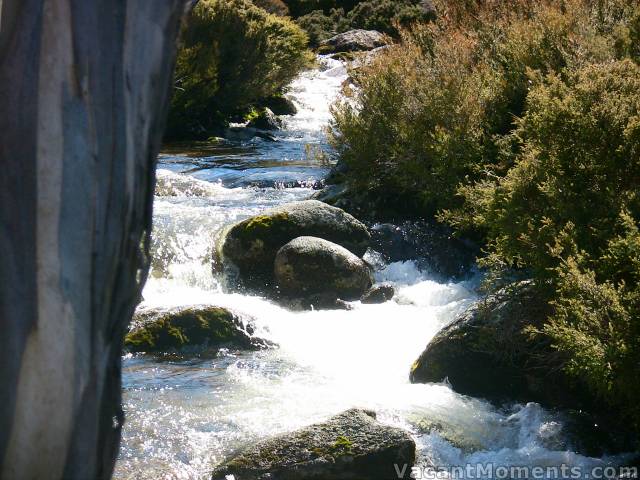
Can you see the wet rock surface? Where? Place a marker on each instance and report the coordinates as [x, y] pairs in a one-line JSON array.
[[380, 293], [161, 330], [349, 446], [312, 266]]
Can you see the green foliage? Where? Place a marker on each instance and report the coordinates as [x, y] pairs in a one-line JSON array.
[[382, 15], [415, 127], [319, 26], [568, 211], [386, 15], [299, 8], [232, 54], [277, 7]]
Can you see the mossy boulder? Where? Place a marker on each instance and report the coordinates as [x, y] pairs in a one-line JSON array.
[[351, 445], [312, 266], [164, 330], [251, 245]]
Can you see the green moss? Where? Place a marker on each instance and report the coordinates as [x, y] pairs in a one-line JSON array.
[[342, 446], [210, 326], [264, 222]]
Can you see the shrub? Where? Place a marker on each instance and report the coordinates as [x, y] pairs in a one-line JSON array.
[[578, 168], [277, 7], [299, 8], [414, 127], [231, 55], [386, 15], [568, 211], [319, 26]]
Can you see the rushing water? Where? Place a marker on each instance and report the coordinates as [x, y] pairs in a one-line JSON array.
[[184, 417]]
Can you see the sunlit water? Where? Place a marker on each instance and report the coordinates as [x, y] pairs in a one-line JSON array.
[[184, 417]]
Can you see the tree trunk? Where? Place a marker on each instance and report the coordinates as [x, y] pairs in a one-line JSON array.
[[84, 90]]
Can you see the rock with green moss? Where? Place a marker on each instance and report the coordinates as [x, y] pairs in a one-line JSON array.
[[351, 445], [312, 266], [250, 246], [167, 330]]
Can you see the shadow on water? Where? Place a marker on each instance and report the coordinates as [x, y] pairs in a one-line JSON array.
[[257, 163]]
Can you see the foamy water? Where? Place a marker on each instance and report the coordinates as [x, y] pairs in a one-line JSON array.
[[184, 417]]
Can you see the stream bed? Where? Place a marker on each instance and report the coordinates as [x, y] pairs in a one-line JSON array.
[[185, 416]]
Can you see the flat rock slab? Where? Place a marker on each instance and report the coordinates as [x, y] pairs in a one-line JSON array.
[[349, 446]]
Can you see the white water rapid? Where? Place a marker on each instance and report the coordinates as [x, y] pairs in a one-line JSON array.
[[185, 416]]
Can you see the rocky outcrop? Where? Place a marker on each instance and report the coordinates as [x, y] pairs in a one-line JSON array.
[[380, 293], [349, 446], [313, 266], [266, 120], [487, 352], [353, 41], [162, 330], [250, 246]]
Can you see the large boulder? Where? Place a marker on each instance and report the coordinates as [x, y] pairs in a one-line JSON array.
[[251, 245], [354, 41], [349, 446], [158, 330], [313, 266], [488, 352]]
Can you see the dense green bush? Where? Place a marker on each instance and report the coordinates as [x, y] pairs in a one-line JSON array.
[[299, 8], [386, 15], [320, 26], [231, 55], [436, 110], [382, 15], [277, 7], [414, 128], [569, 210]]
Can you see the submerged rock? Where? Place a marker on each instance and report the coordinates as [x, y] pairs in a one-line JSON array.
[[353, 41], [313, 266], [266, 120], [380, 293], [162, 330], [351, 445], [251, 245]]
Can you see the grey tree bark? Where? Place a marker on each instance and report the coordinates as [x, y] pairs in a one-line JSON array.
[[84, 90]]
